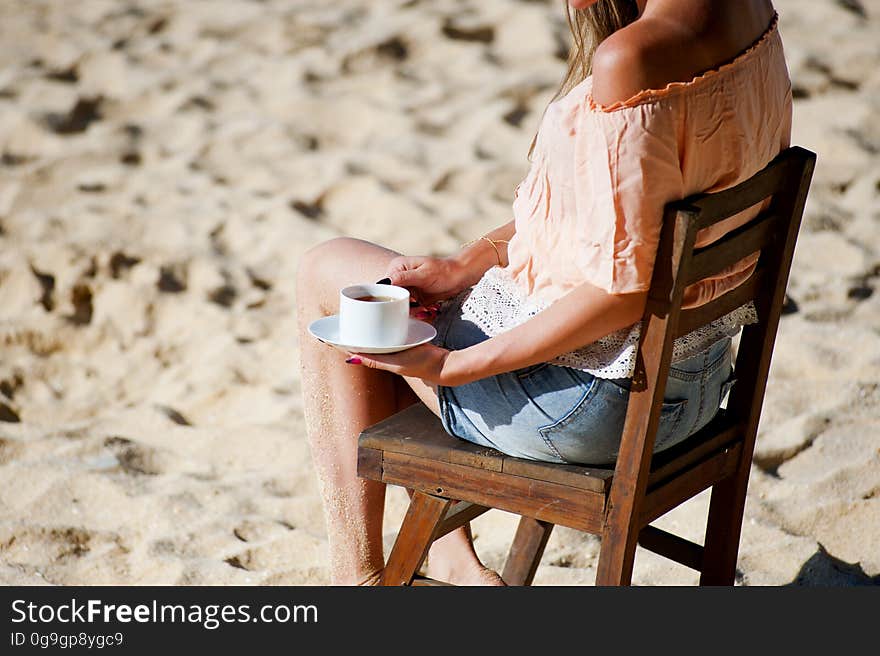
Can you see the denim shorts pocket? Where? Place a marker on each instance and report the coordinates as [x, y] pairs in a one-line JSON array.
[[668, 431], [563, 432], [590, 432]]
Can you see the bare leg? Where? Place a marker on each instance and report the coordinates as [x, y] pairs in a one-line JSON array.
[[452, 558], [340, 400]]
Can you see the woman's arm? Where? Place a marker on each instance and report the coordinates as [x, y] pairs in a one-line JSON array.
[[580, 317], [431, 279], [479, 257]]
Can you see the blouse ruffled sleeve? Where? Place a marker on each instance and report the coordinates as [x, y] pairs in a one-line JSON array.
[[627, 168]]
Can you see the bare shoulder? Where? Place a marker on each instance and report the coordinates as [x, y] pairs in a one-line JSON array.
[[646, 54]]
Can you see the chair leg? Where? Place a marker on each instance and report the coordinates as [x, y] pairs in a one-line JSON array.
[[423, 519], [526, 551], [723, 529], [620, 535], [617, 554]]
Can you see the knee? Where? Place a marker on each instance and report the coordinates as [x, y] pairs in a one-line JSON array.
[[309, 270]]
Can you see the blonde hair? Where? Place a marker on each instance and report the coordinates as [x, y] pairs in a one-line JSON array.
[[589, 27]]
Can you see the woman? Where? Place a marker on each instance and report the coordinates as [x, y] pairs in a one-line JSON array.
[[539, 320]]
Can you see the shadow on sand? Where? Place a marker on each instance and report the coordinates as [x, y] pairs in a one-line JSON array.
[[824, 570]]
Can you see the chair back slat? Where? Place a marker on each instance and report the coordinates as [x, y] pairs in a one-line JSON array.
[[693, 318], [732, 247], [717, 206]]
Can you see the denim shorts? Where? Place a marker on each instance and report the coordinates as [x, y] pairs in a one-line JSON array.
[[565, 415]]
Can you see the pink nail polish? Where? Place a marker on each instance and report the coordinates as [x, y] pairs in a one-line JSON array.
[[353, 360]]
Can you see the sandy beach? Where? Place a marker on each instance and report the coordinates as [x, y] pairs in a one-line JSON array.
[[163, 166]]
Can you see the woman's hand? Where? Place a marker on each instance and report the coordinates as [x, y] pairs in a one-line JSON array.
[[429, 279], [429, 362]]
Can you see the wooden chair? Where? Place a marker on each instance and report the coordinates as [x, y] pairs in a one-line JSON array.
[[454, 481]]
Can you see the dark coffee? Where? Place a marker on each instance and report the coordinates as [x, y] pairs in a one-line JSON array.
[[374, 299]]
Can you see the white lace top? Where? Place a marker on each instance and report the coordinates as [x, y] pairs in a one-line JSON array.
[[495, 304]]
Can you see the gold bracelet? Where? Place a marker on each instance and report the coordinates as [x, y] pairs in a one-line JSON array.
[[491, 241]]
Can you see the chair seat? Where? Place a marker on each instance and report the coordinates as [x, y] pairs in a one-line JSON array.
[[412, 449]]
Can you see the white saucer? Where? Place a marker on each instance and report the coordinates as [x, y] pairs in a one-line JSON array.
[[326, 330]]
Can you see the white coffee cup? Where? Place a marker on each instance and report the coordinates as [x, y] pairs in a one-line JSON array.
[[370, 322]]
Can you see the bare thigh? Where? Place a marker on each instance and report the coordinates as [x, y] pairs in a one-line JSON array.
[[327, 267]]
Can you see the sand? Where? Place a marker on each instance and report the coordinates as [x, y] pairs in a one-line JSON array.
[[164, 166]]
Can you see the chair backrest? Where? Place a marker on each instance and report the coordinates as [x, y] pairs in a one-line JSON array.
[[773, 232]]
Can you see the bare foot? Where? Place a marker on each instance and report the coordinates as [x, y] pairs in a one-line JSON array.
[[487, 576], [478, 575], [470, 575], [371, 579]]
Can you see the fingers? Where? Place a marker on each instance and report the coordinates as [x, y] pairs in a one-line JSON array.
[[409, 271], [400, 276], [405, 278], [425, 313], [413, 272], [361, 360]]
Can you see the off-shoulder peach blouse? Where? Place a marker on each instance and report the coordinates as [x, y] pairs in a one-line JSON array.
[[591, 205]]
